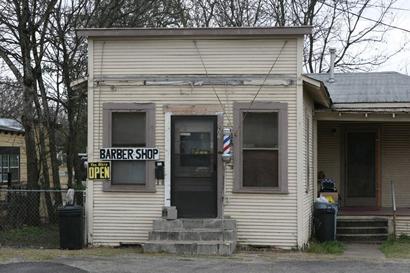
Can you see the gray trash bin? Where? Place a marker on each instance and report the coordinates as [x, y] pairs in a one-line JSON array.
[[325, 221]]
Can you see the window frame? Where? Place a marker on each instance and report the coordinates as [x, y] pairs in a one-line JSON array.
[[149, 110], [282, 110], [10, 151]]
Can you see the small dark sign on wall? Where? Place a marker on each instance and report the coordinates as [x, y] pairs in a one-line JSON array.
[[129, 154], [99, 170]]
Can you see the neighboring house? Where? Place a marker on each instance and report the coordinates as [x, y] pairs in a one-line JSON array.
[[181, 90], [364, 142], [13, 160], [12, 152]]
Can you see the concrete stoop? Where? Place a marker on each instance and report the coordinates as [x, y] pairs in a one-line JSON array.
[[192, 237], [362, 229]]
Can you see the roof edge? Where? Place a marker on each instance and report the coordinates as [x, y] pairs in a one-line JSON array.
[[197, 32], [318, 90]]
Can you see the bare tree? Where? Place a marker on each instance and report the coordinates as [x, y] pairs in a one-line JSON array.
[[344, 24], [11, 102], [20, 23]]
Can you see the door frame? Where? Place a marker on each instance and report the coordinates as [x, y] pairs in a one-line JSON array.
[[195, 110], [373, 128]]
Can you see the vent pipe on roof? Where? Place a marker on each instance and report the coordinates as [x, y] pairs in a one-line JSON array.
[[332, 51]]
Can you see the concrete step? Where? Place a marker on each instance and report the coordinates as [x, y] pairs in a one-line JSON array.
[[364, 238], [189, 224], [193, 235], [362, 223], [362, 230], [191, 247]]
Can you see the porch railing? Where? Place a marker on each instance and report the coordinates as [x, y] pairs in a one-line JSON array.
[[393, 200]]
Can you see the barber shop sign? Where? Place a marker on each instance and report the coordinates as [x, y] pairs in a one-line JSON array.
[[129, 154]]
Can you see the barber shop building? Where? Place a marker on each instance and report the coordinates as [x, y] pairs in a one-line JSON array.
[[211, 137]]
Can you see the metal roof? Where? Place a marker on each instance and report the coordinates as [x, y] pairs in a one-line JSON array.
[[220, 32], [366, 87], [11, 125]]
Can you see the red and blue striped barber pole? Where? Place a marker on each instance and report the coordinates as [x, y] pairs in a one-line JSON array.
[[227, 147]]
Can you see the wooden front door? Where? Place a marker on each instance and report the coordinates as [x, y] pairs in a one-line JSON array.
[[361, 168], [194, 166]]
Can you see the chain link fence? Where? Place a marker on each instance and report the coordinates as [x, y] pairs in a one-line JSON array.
[[29, 218]]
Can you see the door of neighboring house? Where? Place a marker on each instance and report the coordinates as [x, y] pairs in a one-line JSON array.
[[361, 168], [194, 166]]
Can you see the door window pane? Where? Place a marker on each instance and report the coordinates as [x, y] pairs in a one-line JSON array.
[[260, 130], [195, 148], [128, 129], [260, 168]]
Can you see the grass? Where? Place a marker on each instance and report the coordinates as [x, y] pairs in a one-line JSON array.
[[397, 248], [330, 247], [31, 236], [30, 254]]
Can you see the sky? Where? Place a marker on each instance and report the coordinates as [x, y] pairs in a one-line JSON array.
[[397, 38]]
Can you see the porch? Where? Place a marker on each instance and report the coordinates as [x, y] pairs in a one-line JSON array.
[[364, 158], [364, 154], [383, 212]]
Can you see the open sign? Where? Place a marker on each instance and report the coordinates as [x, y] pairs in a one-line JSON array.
[[99, 170]]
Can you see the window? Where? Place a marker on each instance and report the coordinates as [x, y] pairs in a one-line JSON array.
[[129, 125], [260, 144], [9, 164]]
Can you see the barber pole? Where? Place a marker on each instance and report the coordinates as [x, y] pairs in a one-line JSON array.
[[227, 147]]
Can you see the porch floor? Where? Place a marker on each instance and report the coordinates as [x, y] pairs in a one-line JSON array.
[[361, 211]]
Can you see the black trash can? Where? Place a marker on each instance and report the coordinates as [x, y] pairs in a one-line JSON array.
[[71, 227], [325, 221]]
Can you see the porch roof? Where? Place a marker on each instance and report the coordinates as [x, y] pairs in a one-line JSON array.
[[349, 89], [10, 126]]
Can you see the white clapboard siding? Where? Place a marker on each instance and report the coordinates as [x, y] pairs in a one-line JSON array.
[[153, 56], [329, 150], [308, 181], [403, 225], [263, 219], [396, 163]]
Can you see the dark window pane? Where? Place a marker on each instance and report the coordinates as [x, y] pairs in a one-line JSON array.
[[14, 161], [128, 129], [128, 172], [260, 168], [5, 161], [260, 130], [14, 174]]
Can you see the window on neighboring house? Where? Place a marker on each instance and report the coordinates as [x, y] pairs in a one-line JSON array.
[[261, 147], [9, 164], [129, 125]]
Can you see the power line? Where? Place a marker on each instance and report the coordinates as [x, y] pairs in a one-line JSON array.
[[366, 18], [264, 80], [395, 8], [212, 86]]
